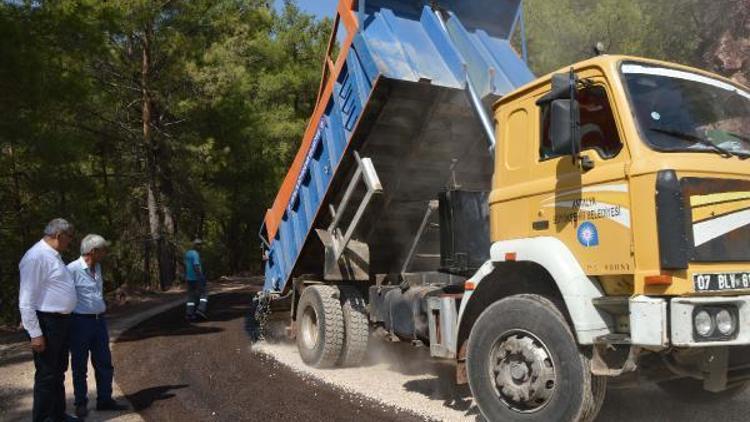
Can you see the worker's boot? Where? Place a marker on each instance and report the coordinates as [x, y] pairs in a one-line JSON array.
[[190, 311], [82, 410], [202, 308]]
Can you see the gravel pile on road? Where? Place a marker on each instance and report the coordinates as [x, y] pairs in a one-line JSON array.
[[397, 375]]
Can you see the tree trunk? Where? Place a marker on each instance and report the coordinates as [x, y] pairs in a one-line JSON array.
[[151, 162], [20, 214], [159, 214], [167, 264]]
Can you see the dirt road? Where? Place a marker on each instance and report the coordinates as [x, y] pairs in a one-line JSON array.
[[206, 371], [178, 371]]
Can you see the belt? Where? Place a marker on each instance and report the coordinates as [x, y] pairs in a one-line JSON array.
[[53, 314], [92, 316]]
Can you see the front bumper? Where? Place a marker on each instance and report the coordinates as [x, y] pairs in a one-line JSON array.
[[660, 322]]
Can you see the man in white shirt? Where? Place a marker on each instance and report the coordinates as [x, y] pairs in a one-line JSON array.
[[89, 328], [46, 298]]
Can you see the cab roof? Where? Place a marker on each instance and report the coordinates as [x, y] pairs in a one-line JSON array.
[[604, 62]]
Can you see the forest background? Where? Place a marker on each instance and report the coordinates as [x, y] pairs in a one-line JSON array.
[[153, 122]]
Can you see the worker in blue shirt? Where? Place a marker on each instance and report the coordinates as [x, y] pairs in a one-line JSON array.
[[197, 301], [88, 332]]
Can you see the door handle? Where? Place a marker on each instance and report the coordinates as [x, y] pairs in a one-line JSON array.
[[540, 225]]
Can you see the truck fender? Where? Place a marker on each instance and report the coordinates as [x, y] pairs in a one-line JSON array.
[[577, 289]]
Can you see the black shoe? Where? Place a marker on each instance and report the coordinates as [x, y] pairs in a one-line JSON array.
[[110, 404], [201, 314], [82, 410]]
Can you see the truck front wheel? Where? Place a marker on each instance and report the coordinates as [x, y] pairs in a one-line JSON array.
[[320, 326], [524, 364]]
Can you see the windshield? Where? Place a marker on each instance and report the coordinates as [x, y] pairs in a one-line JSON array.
[[685, 111]]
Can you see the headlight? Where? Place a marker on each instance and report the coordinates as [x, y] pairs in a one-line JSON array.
[[719, 322], [704, 324], [724, 322]]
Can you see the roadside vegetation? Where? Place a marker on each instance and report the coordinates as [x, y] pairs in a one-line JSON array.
[[154, 122]]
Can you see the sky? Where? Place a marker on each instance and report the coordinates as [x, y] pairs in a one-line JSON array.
[[319, 8]]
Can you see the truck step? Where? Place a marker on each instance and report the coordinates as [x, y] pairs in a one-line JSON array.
[[613, 339], [615, 305]]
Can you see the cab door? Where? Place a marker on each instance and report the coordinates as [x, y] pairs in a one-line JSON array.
[[588, 210]]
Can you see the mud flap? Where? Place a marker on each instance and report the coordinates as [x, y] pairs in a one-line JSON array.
[[715, 366], [610, 361]]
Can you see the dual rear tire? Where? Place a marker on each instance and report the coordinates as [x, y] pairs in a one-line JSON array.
[[332, 326]]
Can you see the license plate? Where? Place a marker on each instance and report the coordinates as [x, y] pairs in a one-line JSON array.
[[721, 281]]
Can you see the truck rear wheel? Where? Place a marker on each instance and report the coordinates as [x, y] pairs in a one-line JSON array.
[[320, 326], [356, 327], [524, 364]]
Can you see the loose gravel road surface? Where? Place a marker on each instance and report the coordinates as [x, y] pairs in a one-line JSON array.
[[171, 370]]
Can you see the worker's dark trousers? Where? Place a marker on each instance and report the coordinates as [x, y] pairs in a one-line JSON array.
[[51, 364], [197, 297], [89, 335]]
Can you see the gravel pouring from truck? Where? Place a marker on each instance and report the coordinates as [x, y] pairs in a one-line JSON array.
[[599, 232]]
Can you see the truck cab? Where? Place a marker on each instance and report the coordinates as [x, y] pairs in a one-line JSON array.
[[662, 203], [621, 203]]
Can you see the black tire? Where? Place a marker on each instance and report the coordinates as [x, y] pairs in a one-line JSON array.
[[320, 326], [535, 323], [356, 327], [690, 390]]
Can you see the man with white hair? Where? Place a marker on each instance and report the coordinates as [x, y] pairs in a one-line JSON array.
[[89, 329], [46, 297]]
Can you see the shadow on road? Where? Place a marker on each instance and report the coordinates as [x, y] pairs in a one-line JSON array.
[[14, 348], [143, 399], [237, 308], [649, 403], [9, 404], [221, 307], [185, 329], [11, 338], [18, 356], [442, 388]]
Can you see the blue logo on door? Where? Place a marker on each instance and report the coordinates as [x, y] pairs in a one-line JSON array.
[[587, 234]]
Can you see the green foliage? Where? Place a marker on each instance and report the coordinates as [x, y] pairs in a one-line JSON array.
[[565, 31], [231, 84]]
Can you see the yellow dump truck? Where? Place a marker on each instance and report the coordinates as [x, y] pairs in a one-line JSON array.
[[547, 235], [620, 220]]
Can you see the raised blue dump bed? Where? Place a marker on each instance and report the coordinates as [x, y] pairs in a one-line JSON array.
[[400, 99]]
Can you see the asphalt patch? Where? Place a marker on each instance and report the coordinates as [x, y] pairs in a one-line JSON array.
[[171, 370]]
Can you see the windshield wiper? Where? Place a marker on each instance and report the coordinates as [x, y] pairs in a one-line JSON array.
[[738, 136], [690, 137], [742, 138]]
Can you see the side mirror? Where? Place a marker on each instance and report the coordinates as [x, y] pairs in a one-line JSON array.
[[562, 88], [564, 118]]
